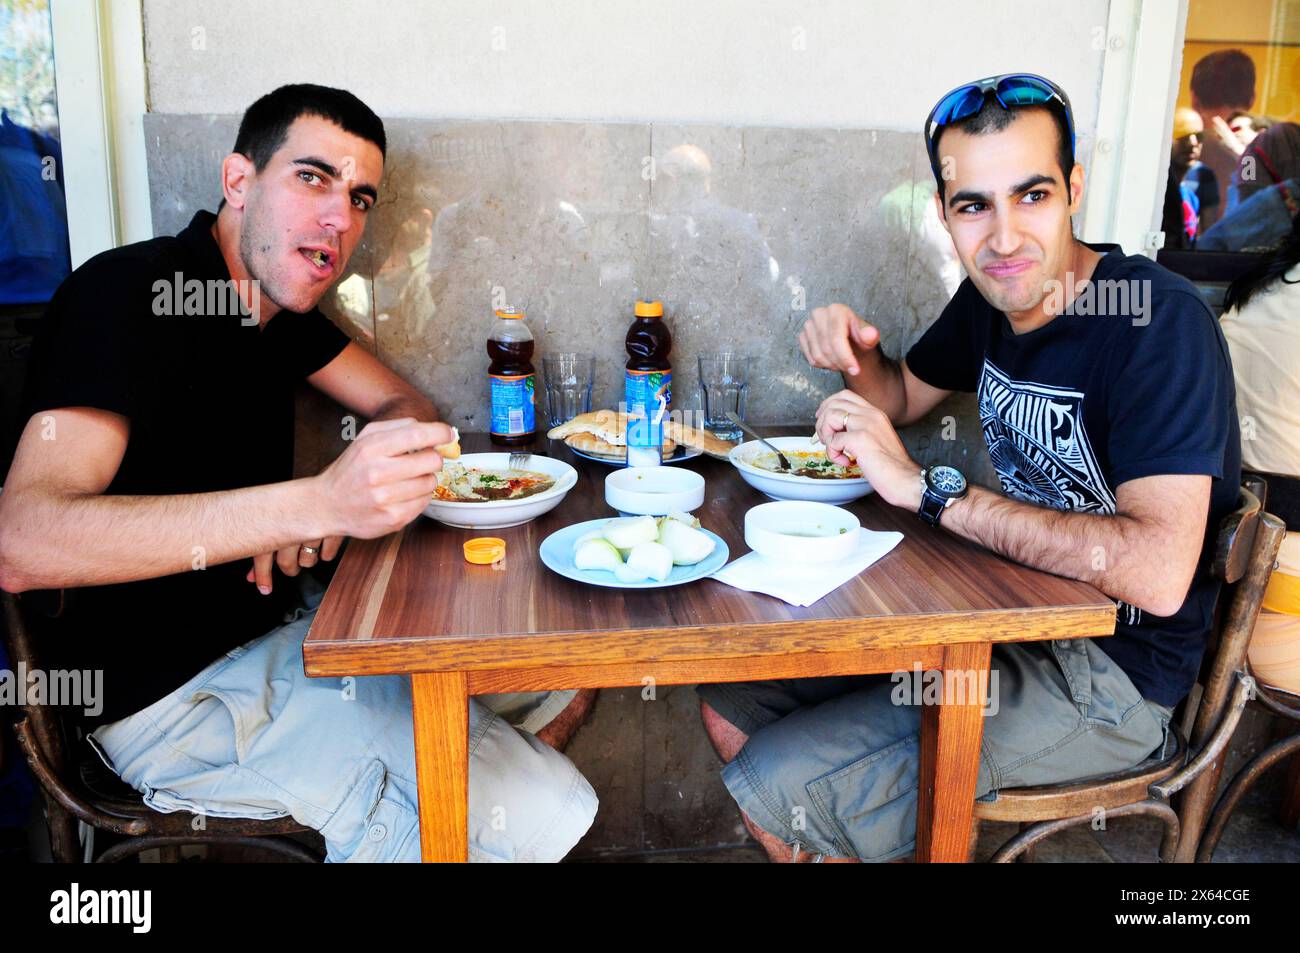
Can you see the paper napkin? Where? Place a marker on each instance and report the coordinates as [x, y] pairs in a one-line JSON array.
[[804, 584]]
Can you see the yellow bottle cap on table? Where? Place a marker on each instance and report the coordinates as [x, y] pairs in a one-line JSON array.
[[485, 550], [649, 309]]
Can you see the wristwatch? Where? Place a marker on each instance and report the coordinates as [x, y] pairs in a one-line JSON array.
[[942, 486]]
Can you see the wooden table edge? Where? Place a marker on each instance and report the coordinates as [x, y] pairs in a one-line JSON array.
[[678, 644]]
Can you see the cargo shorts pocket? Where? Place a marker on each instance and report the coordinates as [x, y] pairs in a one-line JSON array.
[[869, 806], [375, 823], [252, 691], [1071, 657]]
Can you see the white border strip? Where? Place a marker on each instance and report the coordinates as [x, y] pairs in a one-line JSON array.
[[100, 81], [1130, 159]]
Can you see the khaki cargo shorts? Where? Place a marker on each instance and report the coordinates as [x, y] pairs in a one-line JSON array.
[[831, 765]]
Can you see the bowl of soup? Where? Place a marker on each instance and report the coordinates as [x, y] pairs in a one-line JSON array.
[[812, 477]]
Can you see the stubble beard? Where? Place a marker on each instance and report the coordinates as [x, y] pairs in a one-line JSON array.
[[257, 249]]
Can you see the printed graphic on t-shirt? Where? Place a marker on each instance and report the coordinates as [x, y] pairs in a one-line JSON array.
[[1038, 444], [1129, 615]]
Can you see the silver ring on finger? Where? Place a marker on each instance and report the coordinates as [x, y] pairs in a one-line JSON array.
[[847, 415], [310, 550]]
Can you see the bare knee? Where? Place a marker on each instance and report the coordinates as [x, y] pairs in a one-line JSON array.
[[559, 731], [727, 739]]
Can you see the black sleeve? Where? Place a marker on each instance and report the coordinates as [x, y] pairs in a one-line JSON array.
[[950, 353], [313, 343], [88, 348], [1170, 393]]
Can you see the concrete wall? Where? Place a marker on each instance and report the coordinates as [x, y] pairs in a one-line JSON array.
[[745, 162], [873, 64]]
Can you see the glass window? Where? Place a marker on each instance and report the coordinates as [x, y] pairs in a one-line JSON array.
[[33, 217], [1234, 176]]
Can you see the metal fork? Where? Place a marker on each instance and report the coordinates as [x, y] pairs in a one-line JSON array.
[[519, 459]]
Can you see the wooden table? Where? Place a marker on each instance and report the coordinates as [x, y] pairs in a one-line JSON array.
[[408, 603]]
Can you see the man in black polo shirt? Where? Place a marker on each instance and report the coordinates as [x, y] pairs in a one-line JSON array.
[[157, 461], [1107, 404]]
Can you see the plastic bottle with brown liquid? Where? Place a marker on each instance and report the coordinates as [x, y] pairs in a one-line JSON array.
[[647, 383], [512, 381]]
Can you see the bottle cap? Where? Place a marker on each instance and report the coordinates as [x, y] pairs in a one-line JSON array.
[[485, 550], [649, 309], [510, 313]]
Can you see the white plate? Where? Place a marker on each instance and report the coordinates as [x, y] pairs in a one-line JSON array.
[[557, 553], [682, 453], [787, 486], [499, 514]]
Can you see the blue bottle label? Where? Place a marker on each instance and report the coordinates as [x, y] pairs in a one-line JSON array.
[[513, 405], [648, 395]]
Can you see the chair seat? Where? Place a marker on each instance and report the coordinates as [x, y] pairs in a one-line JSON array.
[[1072, 798]]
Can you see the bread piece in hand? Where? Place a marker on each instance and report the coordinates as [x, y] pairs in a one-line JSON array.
[[450, 451]]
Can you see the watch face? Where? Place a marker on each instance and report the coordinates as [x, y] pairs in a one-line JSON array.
[[947, 480]]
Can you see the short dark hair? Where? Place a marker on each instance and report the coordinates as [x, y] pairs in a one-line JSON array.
[[1224, 78], [266, 124], [993, 118]]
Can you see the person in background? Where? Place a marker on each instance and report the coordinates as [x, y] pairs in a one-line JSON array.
[[1191, 187], [1222, 84], [1261, 322], [1246, 127], [33, 215], [1268, 186], [1272, 157]]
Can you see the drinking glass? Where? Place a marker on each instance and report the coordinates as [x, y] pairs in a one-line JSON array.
[[724, 377], [569, 378]]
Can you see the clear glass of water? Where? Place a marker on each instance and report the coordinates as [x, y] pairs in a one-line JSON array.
[[569, 378], [724, 377]]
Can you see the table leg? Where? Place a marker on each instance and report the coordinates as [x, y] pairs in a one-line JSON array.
[[950, 749], [440, 708]]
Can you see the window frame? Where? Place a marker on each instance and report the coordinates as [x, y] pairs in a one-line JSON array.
[[100, 88]]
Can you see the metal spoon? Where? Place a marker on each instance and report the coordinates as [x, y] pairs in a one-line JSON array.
[[780, 457]]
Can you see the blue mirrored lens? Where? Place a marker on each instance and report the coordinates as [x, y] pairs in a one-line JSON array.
[[1023, 91], [959, 104]]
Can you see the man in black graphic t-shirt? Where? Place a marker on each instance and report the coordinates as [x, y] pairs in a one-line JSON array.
[[1107, 405]]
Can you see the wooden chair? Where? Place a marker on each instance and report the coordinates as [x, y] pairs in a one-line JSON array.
[[1284, 705], [1246, 549], [78, 787]]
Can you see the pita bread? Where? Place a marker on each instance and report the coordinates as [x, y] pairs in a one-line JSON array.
[[611, 427], [590, 443], [694, 437]]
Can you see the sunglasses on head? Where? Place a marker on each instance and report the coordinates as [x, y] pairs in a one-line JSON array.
[[1009, 90]]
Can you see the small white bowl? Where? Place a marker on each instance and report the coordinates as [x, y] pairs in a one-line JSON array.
[[785, 486], [801, 532], [654, 491], [498, 514]]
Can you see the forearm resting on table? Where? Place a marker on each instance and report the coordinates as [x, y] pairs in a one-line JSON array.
[[52, 540], [1125, 556]]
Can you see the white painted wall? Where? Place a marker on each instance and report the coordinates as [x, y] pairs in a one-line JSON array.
[[837, 63]]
